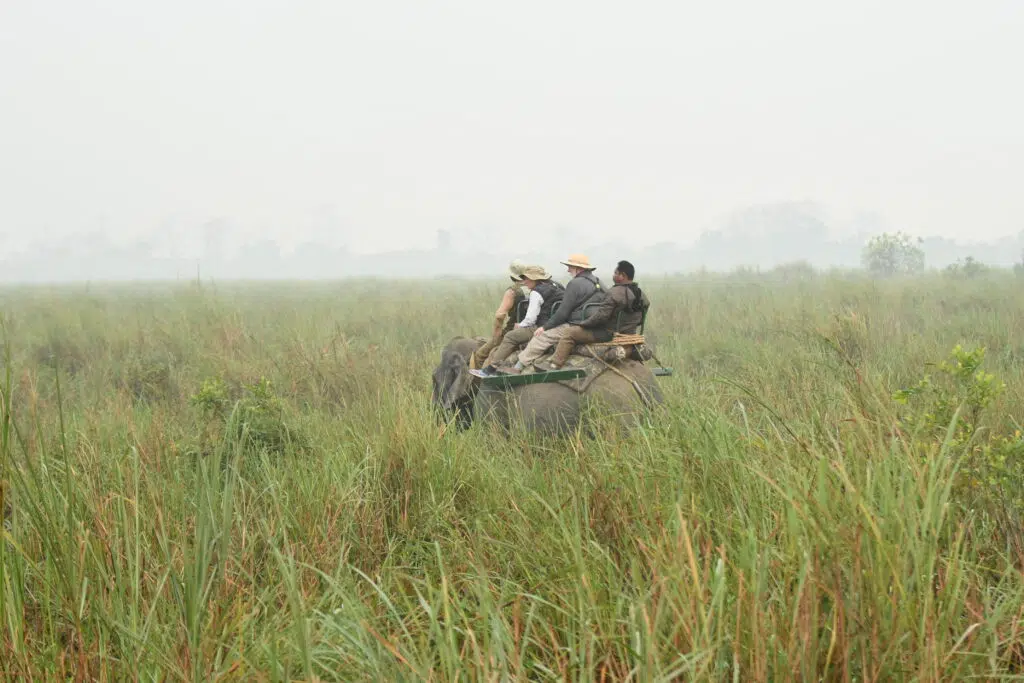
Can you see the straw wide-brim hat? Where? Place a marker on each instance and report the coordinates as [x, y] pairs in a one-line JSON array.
[[515, 270], [536, 273], [578, 261]]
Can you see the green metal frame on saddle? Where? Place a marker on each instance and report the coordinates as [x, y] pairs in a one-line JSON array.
[[514, 380], [506, 380]]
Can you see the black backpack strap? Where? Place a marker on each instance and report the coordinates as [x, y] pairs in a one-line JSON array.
[[638, 297]]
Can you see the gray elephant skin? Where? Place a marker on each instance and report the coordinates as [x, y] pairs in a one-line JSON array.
[[544, 407]]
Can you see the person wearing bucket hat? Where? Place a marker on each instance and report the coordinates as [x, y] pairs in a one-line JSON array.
[[503, 318], [583, 288], [544, 294], [515, 270]]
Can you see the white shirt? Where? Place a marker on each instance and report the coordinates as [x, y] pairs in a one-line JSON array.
[[532, 311]]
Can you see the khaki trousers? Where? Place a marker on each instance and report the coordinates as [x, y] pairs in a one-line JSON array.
[[480, 355], [576, 335], [512, 340], [541, 343]]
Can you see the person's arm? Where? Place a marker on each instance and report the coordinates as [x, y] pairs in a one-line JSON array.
[[503, 310], [605, 310], [572, 297], [533, 310]]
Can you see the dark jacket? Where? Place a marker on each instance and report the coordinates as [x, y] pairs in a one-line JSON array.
[[553, 292], [621, 299], [582, 289]]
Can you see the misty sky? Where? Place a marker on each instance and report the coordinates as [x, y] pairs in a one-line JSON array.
[[637, 121]]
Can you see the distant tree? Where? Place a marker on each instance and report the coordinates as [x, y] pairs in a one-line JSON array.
[[969, 267], [891, 254], [1018, 267]]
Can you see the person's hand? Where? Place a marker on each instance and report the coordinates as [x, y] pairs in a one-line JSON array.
[[539, 331]]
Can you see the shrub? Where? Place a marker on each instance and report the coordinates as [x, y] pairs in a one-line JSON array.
[[966, 268], [213, 398], [962, 385], [888, 254], [258, 418], [951, 405]]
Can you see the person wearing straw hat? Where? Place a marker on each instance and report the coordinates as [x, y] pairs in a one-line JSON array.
[[622, 311], [544, 294], [583, 288], [504, 319]]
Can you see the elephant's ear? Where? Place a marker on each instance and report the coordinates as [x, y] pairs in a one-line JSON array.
[[437, 379], [450, 383]]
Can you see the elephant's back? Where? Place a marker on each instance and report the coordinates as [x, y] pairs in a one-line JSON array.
[[545, 406], [619, 391], [625, 385]]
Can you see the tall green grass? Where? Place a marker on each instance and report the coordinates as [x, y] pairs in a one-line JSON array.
[[311, 521]]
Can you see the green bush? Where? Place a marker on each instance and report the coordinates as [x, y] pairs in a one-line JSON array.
[[948, 412], [259, 419], [212, 398]]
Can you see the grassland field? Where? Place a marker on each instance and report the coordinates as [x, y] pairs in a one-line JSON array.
[[246, 482]]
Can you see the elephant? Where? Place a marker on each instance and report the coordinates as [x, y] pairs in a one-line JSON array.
[[623, 391]]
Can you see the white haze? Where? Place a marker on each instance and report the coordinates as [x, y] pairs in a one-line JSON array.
[[377, 124]]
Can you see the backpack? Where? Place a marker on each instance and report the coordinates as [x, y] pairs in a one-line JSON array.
[[637, 305]]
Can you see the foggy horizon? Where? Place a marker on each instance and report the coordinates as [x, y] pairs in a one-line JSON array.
[[377, 127], [792, 236]]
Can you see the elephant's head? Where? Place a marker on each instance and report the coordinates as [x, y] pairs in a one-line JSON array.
[[454, 388]]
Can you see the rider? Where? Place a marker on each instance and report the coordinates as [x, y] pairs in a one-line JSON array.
[[504, 318], [583, 288], [621, 311], [544, 294]]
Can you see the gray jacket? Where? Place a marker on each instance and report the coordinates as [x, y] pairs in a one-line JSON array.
[[620, 307], [582, 289]]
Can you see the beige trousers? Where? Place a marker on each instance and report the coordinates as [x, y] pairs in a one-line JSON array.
[[542, 342]]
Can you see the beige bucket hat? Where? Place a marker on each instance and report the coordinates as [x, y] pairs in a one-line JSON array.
[[515, 270], [536, 273], [578, 261]]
